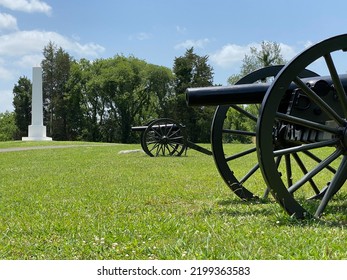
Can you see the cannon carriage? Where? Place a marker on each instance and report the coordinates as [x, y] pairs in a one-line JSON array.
[[166, 137], [300, 130]]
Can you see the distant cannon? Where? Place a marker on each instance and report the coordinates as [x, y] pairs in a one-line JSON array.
[[300, 130], [166, 137]]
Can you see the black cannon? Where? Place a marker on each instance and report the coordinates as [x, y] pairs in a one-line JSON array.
[[166, 137], [299, 133]]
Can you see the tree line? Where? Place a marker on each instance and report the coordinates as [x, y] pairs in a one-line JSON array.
[[101, 100]]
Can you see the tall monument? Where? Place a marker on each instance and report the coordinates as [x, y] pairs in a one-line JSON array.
[[37, 131]]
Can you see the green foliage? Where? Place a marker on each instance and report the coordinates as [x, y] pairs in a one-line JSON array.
[[55, 74], [22, 105], [8, 128], [192, 70], [268, 54], [121, 91], [89, 202]]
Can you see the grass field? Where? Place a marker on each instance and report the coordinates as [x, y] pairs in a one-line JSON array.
[[90, 202]]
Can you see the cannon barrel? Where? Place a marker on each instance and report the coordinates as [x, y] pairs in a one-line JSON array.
[[249, 93], [144, 127], [222, 95]]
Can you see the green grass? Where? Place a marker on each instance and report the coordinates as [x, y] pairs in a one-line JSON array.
[[89, 202]]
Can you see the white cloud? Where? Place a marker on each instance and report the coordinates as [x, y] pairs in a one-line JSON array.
[[29, 6], [5, 73], [140, 36], [27, 42], [28, 61], [180, 29], [308, 44], [8, 22], [288, 52], [231, 55], [192, 43], [21, 50], [86, 50], [143, 36], [6, 98]]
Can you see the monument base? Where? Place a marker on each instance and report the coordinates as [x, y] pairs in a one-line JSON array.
[[37, 133]]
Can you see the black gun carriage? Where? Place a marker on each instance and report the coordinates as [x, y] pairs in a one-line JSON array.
[[300, 130], [166, 137]]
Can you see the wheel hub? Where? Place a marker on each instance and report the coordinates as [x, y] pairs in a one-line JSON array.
[[164, 140]]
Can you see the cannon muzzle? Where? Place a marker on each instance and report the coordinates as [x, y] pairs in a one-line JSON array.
[[225, 95]]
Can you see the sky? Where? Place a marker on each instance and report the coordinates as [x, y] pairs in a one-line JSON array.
[[157, 31]]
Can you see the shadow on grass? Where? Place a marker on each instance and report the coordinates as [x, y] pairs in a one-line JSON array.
[[236, 201], [246, 213], [310, 222], [335, 214], [244, 208]]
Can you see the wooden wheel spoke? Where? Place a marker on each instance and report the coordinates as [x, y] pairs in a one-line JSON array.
[[305, 171], [172, 133], [315, 171], [305, 147], [238, 155], [249, 173], [244, 112], [337, 182], [337, 83], [155, 146], [317, 159], [288, 170], [306, 123]]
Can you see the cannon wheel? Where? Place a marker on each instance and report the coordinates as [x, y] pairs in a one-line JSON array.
[[325, 168], [164, 137], [226, 162]]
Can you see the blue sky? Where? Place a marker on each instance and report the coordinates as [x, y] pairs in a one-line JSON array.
[[158, 31]]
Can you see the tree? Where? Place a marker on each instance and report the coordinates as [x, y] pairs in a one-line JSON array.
[[75, 101], [160, 85], [22, 105], [121, 92], [192, 70], [8, 128], [56, 69], [268, 54], [132, 88]]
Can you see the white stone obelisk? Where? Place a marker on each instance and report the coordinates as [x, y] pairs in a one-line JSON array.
[[37, 131]]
